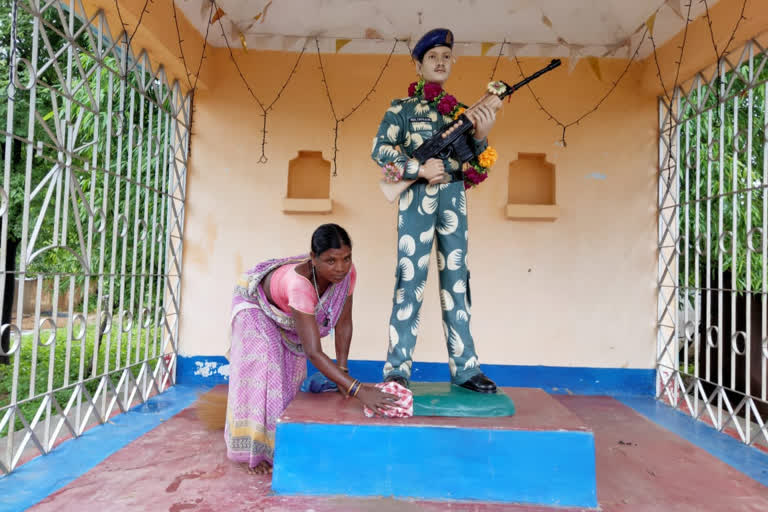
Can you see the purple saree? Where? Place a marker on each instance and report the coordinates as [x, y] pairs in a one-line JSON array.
[[267, 362]]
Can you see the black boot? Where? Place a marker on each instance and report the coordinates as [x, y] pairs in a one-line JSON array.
[[397, 378], [480, 384]]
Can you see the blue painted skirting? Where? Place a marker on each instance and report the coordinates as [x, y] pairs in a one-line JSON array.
[[196, 370], [548, 468], [44, 475]]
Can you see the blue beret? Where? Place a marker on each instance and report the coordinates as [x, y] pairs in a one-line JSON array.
[[433, 38]]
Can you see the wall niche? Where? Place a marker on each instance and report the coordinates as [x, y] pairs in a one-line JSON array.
[[531, 189], [309, 184]]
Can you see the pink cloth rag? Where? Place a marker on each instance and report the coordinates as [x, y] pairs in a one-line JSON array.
[[403, 407]]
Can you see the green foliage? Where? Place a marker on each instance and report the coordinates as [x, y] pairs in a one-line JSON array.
[[118, 177], [21, 109], [112, 181], [130, 346], [723, 188]]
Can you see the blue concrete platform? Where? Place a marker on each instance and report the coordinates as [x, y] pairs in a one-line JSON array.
[[543, 455]]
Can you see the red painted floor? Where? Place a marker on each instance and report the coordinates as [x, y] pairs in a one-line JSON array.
[[641, 466], [180, 466], [535, 409]]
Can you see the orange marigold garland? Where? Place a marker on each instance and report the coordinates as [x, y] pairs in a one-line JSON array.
[[487, 158], [476, 170]]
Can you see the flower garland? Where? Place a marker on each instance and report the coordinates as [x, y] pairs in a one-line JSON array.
[[391, 173], [476, 170]]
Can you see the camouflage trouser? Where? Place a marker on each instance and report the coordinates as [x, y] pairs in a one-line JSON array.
[[427, 212]]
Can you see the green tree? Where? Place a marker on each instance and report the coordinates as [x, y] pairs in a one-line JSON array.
[[20, 103], [126, 206], [722, 205]]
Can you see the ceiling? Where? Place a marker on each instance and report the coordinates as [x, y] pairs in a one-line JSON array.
[[577, 28]]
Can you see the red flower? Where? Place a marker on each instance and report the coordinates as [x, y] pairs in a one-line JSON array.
[[432, 91], [412, 89], [447, 104], [472, 175]]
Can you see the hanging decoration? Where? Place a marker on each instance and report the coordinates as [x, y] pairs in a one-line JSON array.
[[565, 126], [650, 23], [594, 63], [338, 120], [514, 49], [264, 109], [219, 14], [341, 43], [484, 47]]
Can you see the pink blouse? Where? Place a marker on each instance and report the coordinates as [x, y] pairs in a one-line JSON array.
[[291, 290]]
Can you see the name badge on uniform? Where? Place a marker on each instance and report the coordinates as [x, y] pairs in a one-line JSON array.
[[421, 124]]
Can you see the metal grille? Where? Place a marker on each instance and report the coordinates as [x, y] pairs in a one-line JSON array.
[[95, 146], [713, 224]]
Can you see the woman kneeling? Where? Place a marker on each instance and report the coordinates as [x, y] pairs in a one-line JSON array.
[[280, 310]]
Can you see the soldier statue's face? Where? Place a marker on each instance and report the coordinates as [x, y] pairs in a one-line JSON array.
[[436, 64]]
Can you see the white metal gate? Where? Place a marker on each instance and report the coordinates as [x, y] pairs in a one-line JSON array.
[[94, 147], [713, 230]]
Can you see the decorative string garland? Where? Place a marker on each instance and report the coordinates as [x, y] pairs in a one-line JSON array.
[[265, 110], [338, 120]]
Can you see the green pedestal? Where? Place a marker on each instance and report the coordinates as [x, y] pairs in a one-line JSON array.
[[445, 399]]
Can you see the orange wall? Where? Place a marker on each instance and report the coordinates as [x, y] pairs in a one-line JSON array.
[[578, 291]]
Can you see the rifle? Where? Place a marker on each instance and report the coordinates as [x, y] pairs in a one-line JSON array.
[[453, 140]]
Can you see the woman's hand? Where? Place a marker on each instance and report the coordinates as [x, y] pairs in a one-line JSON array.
[[376, 399]]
